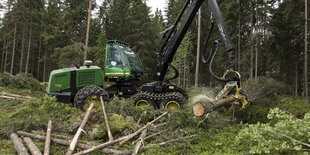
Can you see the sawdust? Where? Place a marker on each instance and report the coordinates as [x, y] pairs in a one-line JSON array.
[[201, 98]]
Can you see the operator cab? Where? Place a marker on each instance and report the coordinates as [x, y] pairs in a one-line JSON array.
[[121, 64]]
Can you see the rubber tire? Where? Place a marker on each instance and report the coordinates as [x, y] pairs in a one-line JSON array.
[[82, 95], [177, 97], [139, 97]]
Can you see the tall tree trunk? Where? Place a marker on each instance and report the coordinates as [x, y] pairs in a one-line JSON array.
[[306, 52], [13, 51], [252, 33], [6, 56], [22, 52], [87, 31], [29, 44], [38, 66], [198, 50], [239, 37], [184, 71], [296, 80], [5, 50], [256, 53], [3, 53], [44, 64]]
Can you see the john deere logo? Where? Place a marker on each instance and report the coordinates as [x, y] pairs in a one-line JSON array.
[[58, 85]]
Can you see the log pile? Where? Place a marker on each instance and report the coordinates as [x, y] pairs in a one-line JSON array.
[[73, 142]]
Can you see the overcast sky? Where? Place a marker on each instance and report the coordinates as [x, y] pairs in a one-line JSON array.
[[151, 3], [161, 4]]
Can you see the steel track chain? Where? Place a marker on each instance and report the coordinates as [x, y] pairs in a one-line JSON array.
[[160, 98]]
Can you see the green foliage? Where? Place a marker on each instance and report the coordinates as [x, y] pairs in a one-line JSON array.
[[65, 56], [127, 108], [264, 90], [252, 114], [295, 106], [285, 135], [6, 147], [34, 114], [20, 81]]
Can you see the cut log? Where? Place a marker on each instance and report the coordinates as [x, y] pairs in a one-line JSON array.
[[8, 95], [201, 108], [52, 135], [48, 138], [78, 133], [67, 143], [20, 148], [103, 145], [34, 150], [111, 151], [54, 140], [106, 120], [139, 143]]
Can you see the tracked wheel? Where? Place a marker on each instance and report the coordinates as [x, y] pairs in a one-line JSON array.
[[142, 99], [173, 100], [87, 92]]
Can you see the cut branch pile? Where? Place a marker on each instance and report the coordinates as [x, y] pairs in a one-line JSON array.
[[73, 142]]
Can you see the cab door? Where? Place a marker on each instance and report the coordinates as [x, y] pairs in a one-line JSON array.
[[116, 64]]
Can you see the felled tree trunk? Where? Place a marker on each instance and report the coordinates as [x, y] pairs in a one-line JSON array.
[[106, 120], [140, 142], [20, 148], [55, 140], [48, 138], [201, 108], [78, 133], [32, 147]]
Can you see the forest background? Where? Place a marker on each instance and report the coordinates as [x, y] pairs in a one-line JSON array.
[[40, 36]]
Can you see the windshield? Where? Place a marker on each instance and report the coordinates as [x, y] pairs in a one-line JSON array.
[[134, 61], [116, 57]]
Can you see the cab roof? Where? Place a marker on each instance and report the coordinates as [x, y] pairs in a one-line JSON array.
[[117, 42]]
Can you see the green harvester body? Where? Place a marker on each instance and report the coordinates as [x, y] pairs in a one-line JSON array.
[[121, 66]]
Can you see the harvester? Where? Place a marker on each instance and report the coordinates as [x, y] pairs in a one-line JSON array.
[[123, 67]]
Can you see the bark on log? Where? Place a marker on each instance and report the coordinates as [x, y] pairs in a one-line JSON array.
[[106, 120], [4, 94], [90, 150], [20, 148], [48, 138], [54, 140], [52, 135], [34, 150], [67, 143], [139, 143], [201, 108], [78, 133], [111, 151], [127, 138], [119, 139]]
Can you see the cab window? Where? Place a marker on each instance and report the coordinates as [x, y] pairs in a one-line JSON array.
[[116, 57]]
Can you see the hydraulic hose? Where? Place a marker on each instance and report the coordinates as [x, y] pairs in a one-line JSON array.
[[213, 53], [205, 46]]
